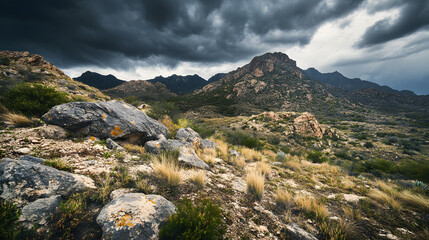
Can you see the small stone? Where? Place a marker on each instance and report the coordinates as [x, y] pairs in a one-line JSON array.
[[24, 150]]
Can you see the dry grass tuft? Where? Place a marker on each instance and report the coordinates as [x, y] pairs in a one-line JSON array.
[[282, 197], [386, 188], [327, 168], [385, 198], [312, 207], [134, 148], [263, 167], [292, 165], [223, 146], [250, 154], [414, 199], [255, 183], [239, 161], [166, 168], [207, 155], [270, 154], [338, 229], [198, 178], [17, 120], [347, 184]]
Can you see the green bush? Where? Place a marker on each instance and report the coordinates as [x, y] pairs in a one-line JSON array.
[[316, 157], [344, 155], [202, 129], [33, 99], [161, 108], [203, 221], [243, 139], [10, 228], [415, 170], [5, 61], [368, 145]]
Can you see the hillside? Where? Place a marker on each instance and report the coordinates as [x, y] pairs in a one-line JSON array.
[[99, 81], [142, 90], [338, 80], [23, 67]]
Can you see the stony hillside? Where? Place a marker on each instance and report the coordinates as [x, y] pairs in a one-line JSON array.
[[142, 90], [99, 81], [23, 67]]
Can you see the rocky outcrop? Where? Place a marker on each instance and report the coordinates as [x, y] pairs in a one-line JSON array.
[[134, 216], [23, 181], [110, 144], [113, 119], [52, 132], [189, 157], [208, 144], [307, 125]]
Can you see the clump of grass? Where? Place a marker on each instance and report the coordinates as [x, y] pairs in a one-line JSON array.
[[255, 183], [292, 164], [134, 148], [339, 230], [328, 168], [385, 198], [347, 184], [17, 120], [312, 208], [414, 199], [59, 164], [239, 161], [167, 168], [263, 167], [250, 154], [198, 178], [269, 153], [222, 147], [207, 155], [10, 227], [282, 197]]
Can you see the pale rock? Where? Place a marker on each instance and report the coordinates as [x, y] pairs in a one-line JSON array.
[[40, 211]]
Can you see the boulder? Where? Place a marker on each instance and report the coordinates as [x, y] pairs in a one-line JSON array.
[[295, 232], [110, 144], [112, 119], [165, 145], [40, 211], [208, 144], [188, 135], [188, 157], [32, 159], [234, 153], [52, 132], [120, 192], [134, 216], [24, 181], [307, 125]]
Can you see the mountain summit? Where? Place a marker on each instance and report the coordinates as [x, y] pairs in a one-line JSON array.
[[99, 81]]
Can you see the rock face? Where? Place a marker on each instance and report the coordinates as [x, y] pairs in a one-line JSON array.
[[187, 156], [188, 135], [40, 211], [24, 181], [110, 144], [208, 144], [52, 132], [134, 216], [113, 119]]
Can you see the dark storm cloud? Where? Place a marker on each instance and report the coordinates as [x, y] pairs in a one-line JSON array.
[[413, 16], [113, 33]]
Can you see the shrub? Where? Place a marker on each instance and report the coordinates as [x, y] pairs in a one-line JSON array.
[[58, 164], [414, 169], [10, 228], [411, 144], [203, 221], [241, 138], [202, 129], [255, 183], [316, 157], [160, 108], [33, 99], [17, 120], [281, 156], [343, 154], [5, 61]]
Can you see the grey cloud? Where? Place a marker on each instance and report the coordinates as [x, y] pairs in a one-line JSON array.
[[113, 33], [414, 16]]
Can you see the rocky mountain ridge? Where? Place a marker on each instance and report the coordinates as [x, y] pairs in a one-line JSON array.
[[99, 81]]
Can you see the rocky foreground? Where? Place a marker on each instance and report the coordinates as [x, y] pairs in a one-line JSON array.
[[107, 151]]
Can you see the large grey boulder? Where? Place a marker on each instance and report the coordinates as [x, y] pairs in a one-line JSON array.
[[189, 157], [40, 211], [134, 216], [295, 232], [188, 135], [208, 144], [157, 147], [24, 181], [112, 119]]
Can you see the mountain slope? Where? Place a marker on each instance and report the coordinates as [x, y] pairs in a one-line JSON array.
[[338, 80], [270, 81], [143, 90], [181, 84], [23, 67], [99, 81]]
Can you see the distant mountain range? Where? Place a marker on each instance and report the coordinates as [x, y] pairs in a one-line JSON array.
[[181, 84], [338, 80], [99, 81]]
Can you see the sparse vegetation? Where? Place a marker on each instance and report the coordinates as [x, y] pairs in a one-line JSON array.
[[10, 228], [198, 178], [255, 183], [203, 221], [59, 164], [134, 148], [17, 120], [166, 168]]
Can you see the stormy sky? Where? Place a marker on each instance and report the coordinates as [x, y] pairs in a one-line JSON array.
[[384, 41]]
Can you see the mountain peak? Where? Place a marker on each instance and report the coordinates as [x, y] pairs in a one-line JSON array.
[[266, 62]]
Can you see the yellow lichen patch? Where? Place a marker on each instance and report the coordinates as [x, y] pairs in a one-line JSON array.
[[92, 138], [152, 201], [126, 220], [131, 123], [103, 116], [157, 145], [116, 131]]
